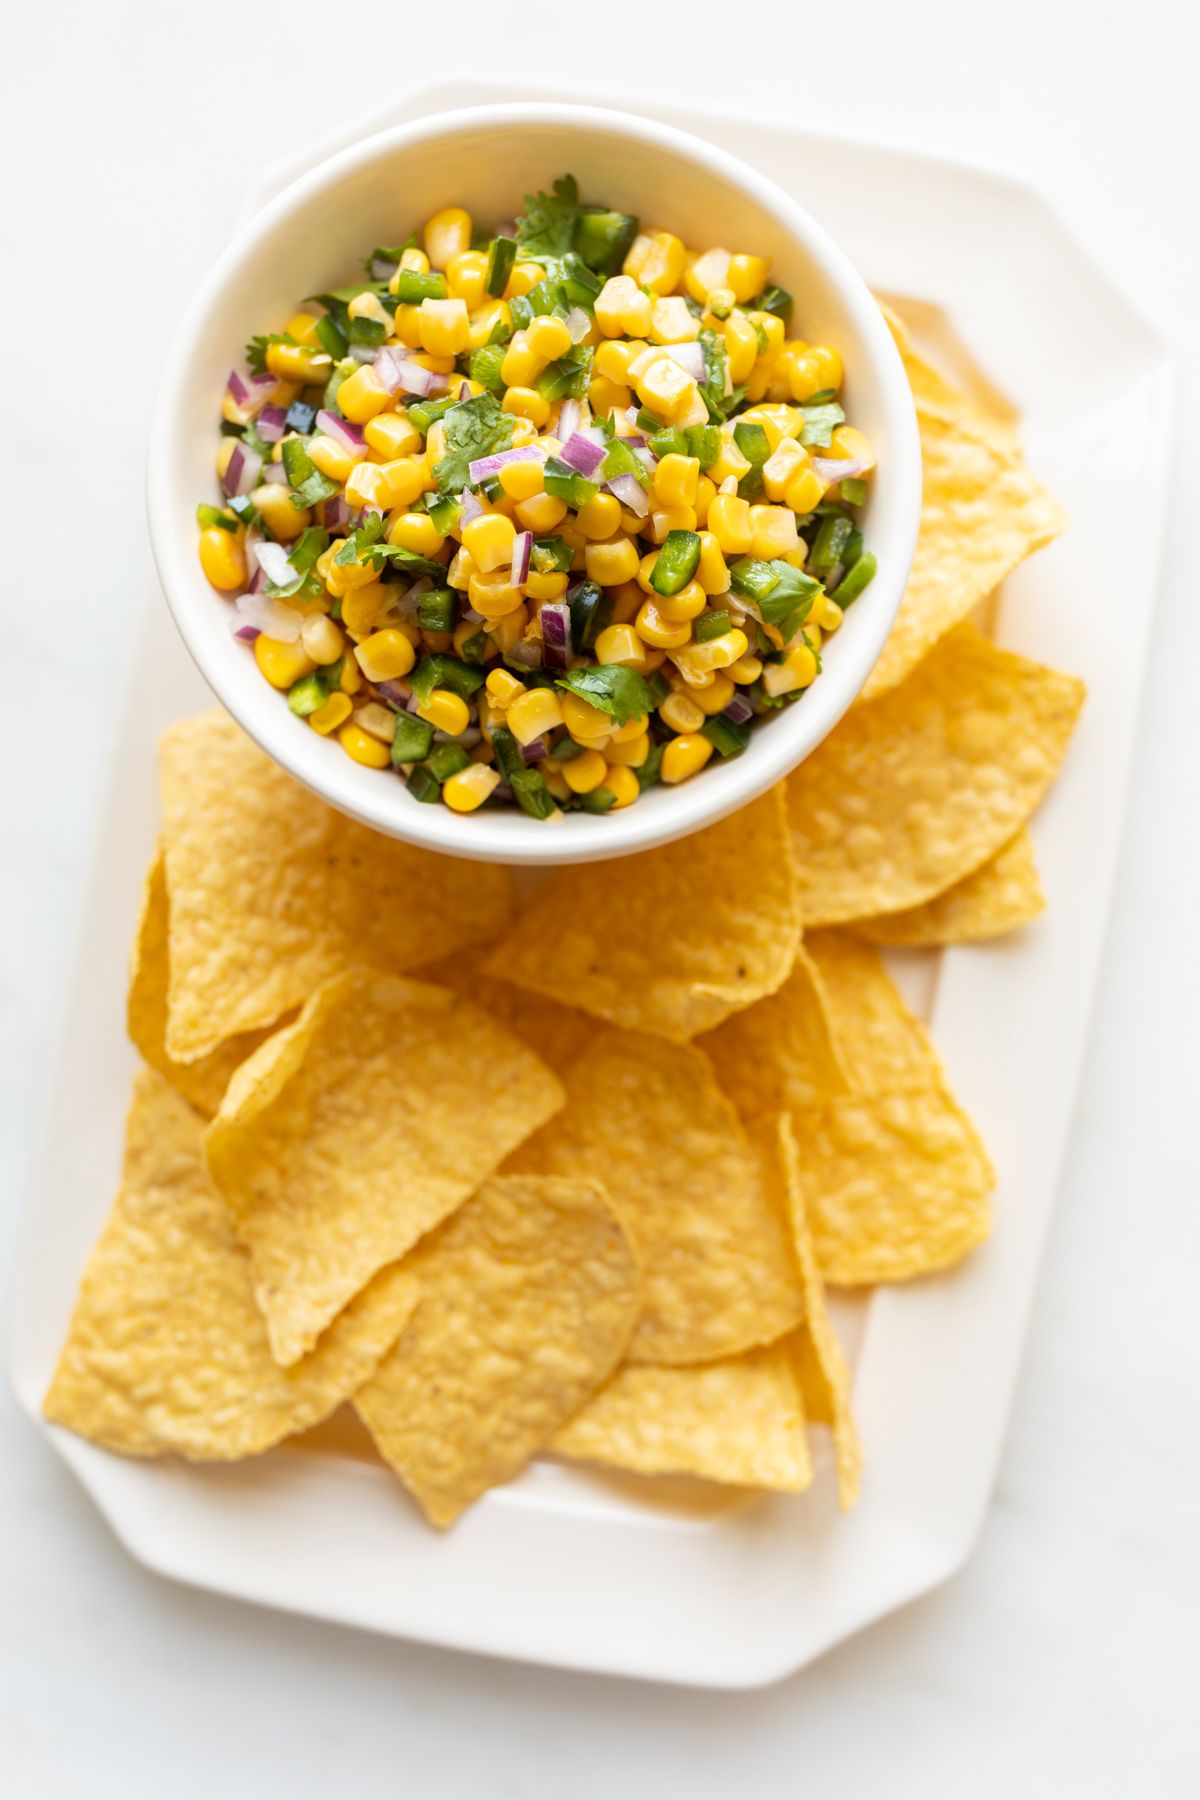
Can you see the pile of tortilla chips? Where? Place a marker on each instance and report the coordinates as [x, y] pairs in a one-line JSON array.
[[570, 1177]]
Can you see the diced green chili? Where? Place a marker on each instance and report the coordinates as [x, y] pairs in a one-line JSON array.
[[424, 786], [591, 610], [830, 542], [412, 287], [446, 760], [438, 609], [704, 442], [412, 739], [726, 738], [531, 793], [855, 580], [307, 695], [710, 625], [676, 563], [502, 254]]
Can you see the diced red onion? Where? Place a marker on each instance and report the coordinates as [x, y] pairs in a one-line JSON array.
[[273, 560], [832, 468], [471, 616], [506, 228], [337, 512], [581, 454], [396, 693], [502, 792], [555, 621], [364, 353], [527, 652], [258, 582], [395, 373], [388, 365], [522, 546], [274, 475], [485, 466], [739, 710], [344, 434], [247, 633], [632, 495], [249, 392], [578, 324], [690, 358], [472, 507], [637, 440], [570, 418], [277, 620], [243, 471], [534, 752], [464, 392], [646, 457], [272, 423]]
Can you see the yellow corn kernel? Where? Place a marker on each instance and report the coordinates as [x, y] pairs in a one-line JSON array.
[[663, 386], [445, 327], [332, 458], [622, 784], [664, 634], [446, 235], [548, 337], [773, 329], [817, 369], [830, 373], [745, 670], [521, 364], [600, 517], [281, 663], [712, 572], [415, 260], [675, 480], [467, 790], [281, 518], [402, 481], [485, 319], [390, 435], [619, 644], [335, 712], [408, 326], [369, 306], [730, 523], [377, 721], [705, 494], [503, 688], [626, 601], [748, 275], [361, 747], [849, 443], [708, 272], [504, 633], [797, 670], [415, 531], [614, 356], [488, 540], [541, 513], [631, 754], [299, 362], [365, 486], [605, 396], [586, 724], [656, 261], [583, 774], [446, 711], [645, 572], [716, 653], [533, 714], [632, 728], [225, 452], [672, 323], [804, 491], [524, 432], [223, 559], [545, 587], [715, 697], [774, 531], [665, 519], [741, 345], [322, 639], [465, 276], [681, 713], [684, 756], [526, 403], [493, 594], [688, 603], [351, 677], [829, 614], [385, 655], [303, 327], [730, 462], [622, 308], [785, 461], [522, 480], [525, 275], [362, 395], [612, 563], [362, 607]]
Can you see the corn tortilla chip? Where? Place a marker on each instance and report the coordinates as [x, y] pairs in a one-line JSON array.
[[824, 1377], [350, 1134], [557, 1033], [272, 892], [982, 514], [528, 1297], [780, 1053], [738, 1421], [202, 1082], [167, 1350], [1000, 896], [913, 792], [674, 941], [985, 412], [883, 1048], [648, 1120]]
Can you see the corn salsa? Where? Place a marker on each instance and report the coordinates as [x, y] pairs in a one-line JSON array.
[[542, 516]]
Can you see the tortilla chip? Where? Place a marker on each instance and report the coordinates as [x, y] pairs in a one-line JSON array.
[[350, 1134], [914, 792], [739, 1421], [672, 941], [894, 1178], [203, 1082], [648, 1120], [272, 892], [1001, 896], [556, 1033], [987, 413], [821, 1364], [782, 1052], [528, 1297], [167, 1350], [982, 514]]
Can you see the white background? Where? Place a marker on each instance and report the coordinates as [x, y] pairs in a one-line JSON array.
[[1063, 1660]]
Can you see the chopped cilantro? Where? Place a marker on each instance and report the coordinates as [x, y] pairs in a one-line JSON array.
[[364, 545], [783, 595], [547, 227], [612, 688], [819, 423], [474, 428], [256, 349]]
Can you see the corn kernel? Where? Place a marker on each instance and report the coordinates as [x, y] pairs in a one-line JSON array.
[[548, 337], [351, 677], [377, 721], [618, 644], [521, 364], [612, 563], [688, 603], [631, 754], [362, 606], [541, 513], [335, 712], [684, 756], [622, 307], [545, 587], [362, 747], [417, 532], [505, 632], [665, 519], [526, 403], [632, 728], [223, 559], [622, 784], [385, 655], [369, 306], [706, 493], [741, 345], [716, 695], [407, 324], [746, 670], [532, 714], [298, 362], [281, 663], [716, 653], [849, 443], [332, 458], [708, 272], [391, 434], [364, 486], [362, 395], [672, 323], [488, 540], [773, 329], [605, 396], [797, 670], [748, 275], [675, 480], [681, 713], [583, 774], [503, 688], [652, 628], [586, 724], [730, 523], [467, 790], [465, 276], [322, 639], [600, 517], [614, 356], [712, 571], [663, 385], [626, 600], [446, 235], [494, 594], [522, 480], [415, 260], [804, 491], [445, 327], [525, 275], [656, 261], [446, 711], [774, 531]]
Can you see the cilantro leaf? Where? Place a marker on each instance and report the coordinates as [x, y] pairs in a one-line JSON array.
[[547, 227], [819, 423], [612, 688], [365, 545], [473, 428], [780, 594], [256, 349], [384, 259]]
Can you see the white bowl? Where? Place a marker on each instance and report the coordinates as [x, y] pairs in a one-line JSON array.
[[314, 236]]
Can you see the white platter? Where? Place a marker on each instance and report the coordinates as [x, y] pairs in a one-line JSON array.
[[667, 1581]]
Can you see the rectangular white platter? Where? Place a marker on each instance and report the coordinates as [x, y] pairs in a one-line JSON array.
[[669, 1581]]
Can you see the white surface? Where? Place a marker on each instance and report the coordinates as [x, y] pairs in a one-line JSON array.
[[313, 235], [727, 1593], [1059, 1661]]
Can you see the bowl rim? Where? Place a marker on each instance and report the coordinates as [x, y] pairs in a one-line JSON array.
[[504, 836]]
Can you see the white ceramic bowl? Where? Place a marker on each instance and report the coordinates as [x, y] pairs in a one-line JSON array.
[[314, 235]]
